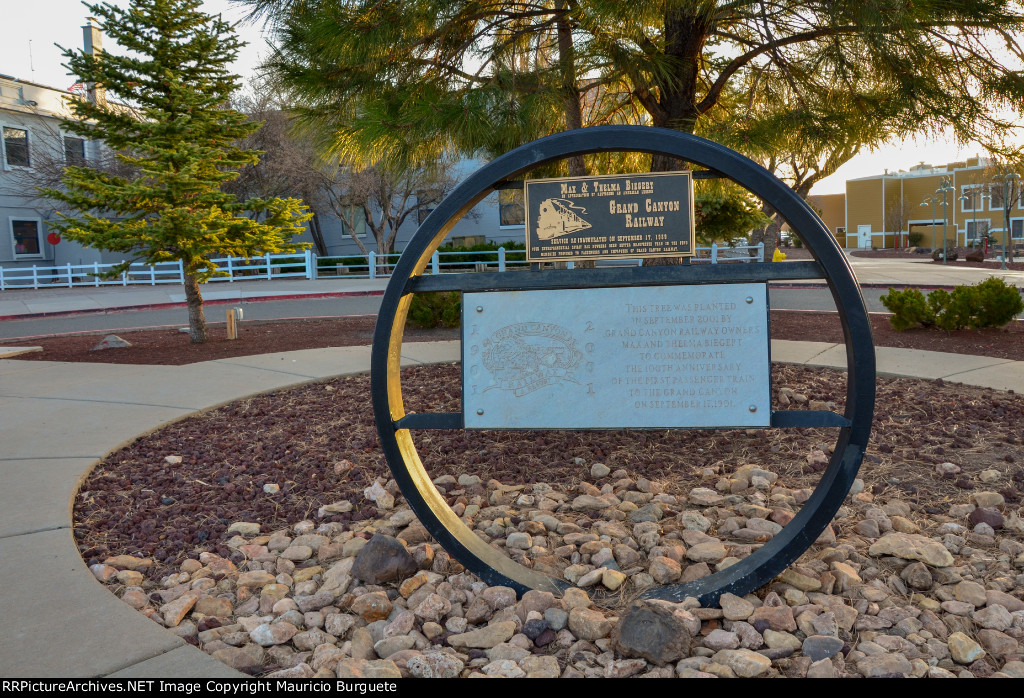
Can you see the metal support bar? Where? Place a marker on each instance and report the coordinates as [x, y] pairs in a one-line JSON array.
[[617, 276], [783, 419], [431, 420]]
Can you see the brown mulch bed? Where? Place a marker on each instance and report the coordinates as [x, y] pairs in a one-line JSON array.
[[171, 347], [319, 445], [1001, 343]]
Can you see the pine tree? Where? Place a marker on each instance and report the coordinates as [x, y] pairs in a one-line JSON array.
[[162, 108], [407, 76]]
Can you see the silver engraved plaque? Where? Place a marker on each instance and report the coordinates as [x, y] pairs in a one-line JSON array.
[[605, 358]]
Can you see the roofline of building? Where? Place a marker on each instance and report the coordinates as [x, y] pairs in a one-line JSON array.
[[906, 174], [4, 76]]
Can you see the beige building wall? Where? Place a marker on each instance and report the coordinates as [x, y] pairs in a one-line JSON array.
[[883, 211], [863, 212], [831, 208], [926, 216]]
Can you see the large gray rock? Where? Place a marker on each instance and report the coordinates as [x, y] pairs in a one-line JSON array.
[[436, 665], [383, 559], [652, 631], [111, 341], [912, 547]]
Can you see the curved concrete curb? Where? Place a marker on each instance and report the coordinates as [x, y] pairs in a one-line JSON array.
[[58, 419]]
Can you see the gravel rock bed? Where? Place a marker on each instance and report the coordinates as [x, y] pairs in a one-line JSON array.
[[893, 593], [920, 574]]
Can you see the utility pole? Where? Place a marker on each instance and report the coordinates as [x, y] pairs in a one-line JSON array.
[[1008, 179], [945, 189]]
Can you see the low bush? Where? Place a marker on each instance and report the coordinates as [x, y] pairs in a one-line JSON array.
[[992, 303], [328, 262], [997, 303], [514, 251], [436, 309], [915, 239], [909, 309]]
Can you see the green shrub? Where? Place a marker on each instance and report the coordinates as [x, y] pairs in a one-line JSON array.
[[327, 262], [915, 239], [997, 303], [954, 311], [991, 303], [436, 309], [909, 309], [514, 252]]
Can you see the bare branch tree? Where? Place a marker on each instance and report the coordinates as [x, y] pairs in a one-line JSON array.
[[383, 199]]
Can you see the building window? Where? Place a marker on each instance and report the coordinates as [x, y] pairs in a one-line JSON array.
[[25, 236], [976, 233], [74, 151], [16, 146], [511, 211], [995, 200], [1017, 228], [971, 200], [358, 214]]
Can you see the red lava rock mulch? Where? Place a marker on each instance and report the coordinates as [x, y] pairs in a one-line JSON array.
[[171, 347]]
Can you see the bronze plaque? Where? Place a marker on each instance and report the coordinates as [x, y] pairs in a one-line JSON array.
[[609, 217]]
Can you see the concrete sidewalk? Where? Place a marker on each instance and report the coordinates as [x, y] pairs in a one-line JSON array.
[[58, 419], [16, 303]]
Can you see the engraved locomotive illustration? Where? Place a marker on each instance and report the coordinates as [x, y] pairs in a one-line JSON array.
[[526, 356], [560, 217]]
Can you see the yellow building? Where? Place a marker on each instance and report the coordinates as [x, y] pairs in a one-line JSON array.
[[831, 208], [961, 202]]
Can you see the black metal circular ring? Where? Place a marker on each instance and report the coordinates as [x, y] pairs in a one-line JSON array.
[[773, 557]]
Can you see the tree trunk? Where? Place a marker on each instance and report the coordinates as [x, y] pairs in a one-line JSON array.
[[676, 104], [570, 93], [769, 234], [571, 100], [317, 234], [196, 317]]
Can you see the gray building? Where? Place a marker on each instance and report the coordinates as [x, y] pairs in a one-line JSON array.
[[34, 149]]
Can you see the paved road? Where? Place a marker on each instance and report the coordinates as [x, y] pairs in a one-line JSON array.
[[875, 274], [786, 298], [124, 319]]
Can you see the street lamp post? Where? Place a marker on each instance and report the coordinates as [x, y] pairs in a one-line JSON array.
[[1008, 179], [988, 225], [931, 200], [945, 189], [974, 208]]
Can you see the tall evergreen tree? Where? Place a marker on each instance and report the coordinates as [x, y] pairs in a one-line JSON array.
[[162, 108]]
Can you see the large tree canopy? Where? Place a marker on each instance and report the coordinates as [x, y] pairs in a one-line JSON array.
[[404, 77]]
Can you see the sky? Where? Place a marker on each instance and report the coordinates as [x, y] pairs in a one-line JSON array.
[[30, 54]]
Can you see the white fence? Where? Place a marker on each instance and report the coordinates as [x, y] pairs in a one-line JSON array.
[[306, 265]]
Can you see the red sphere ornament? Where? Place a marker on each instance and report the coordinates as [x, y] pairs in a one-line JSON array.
[[53, 238]]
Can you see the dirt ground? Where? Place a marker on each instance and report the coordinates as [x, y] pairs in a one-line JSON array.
[[171, 347]]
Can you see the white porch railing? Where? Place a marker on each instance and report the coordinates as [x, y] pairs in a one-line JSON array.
[[306, 265]]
